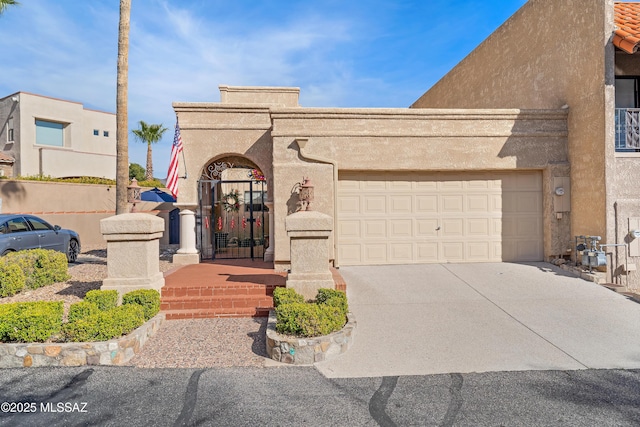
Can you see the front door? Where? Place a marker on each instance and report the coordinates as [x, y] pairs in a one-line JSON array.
[[232, 219]]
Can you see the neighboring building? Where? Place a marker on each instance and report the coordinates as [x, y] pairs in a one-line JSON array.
[[580, 54], [508, 158], [53, 137]]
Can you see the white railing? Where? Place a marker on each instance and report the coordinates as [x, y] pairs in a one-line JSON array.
[[628, 129]]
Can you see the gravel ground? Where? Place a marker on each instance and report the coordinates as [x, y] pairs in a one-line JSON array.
[[197, 343]]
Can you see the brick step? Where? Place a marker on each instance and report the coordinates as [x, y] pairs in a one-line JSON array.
[[218, 290], [217, 313], [228, 301]]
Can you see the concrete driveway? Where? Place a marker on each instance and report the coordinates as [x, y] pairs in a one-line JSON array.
[[446, 318]]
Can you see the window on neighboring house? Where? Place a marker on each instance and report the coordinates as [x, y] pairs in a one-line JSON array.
[[105, 133], [96, 132], [627, 114], [49, 133], [10, 130]]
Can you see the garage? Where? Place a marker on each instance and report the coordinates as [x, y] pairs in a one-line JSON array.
[[439, 217]]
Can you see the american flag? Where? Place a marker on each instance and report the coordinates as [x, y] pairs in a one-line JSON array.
[[172, 175]]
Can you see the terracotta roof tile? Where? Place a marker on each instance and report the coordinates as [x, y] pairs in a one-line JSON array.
[[627, 21], [6, 159]]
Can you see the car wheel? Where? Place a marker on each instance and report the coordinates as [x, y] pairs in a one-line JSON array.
[[72, 253], [8, 251]]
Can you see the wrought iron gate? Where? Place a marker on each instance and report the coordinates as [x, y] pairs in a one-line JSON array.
[[232, 220]]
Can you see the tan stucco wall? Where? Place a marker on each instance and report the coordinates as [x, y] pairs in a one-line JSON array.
[[79, 207], [213, 131], [411, 140], [368, 140], [83, 153], [548, 54]]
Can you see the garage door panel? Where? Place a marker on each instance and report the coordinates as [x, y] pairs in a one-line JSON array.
[[478, 251], [450, 185], [478, 203], [422, 184], [427, 252], [375, 253], [348, 184], [452, 251], [375, 228], [401, 228], [349, 229], [401, 253], [528, 226], [399, 185], [349, 204], [427, 203], [375, 204], [478, 227], [452, 204], [426, 227], [400, 204], [439, 217], [350, 253], [452, 227], [373, 185]]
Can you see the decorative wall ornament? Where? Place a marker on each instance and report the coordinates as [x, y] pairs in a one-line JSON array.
[[214, 170], [256, 175]]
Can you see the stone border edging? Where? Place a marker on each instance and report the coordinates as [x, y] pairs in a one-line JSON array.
[[307, 351], [117, 351]]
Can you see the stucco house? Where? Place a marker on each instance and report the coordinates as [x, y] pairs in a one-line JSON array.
[[40, 135], [511, 155]]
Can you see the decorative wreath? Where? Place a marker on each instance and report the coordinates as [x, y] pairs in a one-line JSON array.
[[231, 201]]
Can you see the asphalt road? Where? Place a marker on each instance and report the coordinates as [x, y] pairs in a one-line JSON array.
[[107, 396]]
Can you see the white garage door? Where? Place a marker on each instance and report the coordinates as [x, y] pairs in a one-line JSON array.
[[401, 218]]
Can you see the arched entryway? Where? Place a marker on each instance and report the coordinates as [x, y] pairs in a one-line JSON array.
[[232, 219]]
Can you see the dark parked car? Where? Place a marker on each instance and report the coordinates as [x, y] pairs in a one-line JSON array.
[[19, 232]]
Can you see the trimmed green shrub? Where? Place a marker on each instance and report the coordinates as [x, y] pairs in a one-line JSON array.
[[82, 309], [41, 267], [286, 296], [308, 319], [148, 299], [12, 279], [328, 313], [333, 297], [104, 325], [105, 300], [30, 321]]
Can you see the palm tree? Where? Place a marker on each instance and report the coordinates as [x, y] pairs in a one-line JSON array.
[[150, 134], [122, 142], [5, 3]]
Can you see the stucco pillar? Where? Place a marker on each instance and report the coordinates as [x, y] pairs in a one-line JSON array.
[[133, 252], [309, 232], [188, 253], [269, 253]]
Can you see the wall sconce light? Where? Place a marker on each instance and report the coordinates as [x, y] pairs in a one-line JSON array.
[[133, 193], [306, 193]]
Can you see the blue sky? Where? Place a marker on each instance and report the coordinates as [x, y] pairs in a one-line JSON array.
[[358, 53]]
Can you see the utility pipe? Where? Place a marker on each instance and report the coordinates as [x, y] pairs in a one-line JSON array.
[[302, 143]]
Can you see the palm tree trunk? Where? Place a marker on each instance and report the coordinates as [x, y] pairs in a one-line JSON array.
[[149, 175], [122, 126]]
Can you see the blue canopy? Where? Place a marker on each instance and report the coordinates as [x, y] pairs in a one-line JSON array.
[[156, 195]]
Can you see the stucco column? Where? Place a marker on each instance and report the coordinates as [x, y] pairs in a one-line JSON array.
[[269, 253], [188, 253], [133, 252], [309, 232]]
